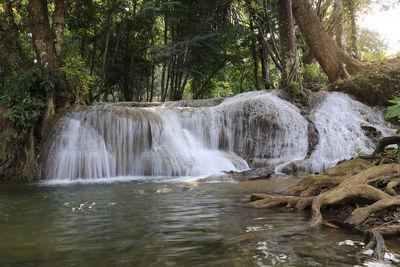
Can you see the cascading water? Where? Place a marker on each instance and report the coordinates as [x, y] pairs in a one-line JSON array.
[[108, 140], [339, 120]]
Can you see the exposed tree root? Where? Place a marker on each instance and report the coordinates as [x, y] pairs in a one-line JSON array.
[[313, 185], [269, 201], [359, 215], [370, 190], [385, 142]]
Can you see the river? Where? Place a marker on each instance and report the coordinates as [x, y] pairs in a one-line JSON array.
[[160, 223]]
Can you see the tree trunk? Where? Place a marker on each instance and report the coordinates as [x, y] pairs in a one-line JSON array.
[[164, 85], [334, 61], [353, 38], [253, 47], [42, 36], [47, 43], [84, 47], [105, 54], [153, 70], [338, 11], [290, 63], [12, 53], [266, 75], [58, 27], [131, 72]]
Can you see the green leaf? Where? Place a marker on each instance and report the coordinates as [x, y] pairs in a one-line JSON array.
[[393, 111]]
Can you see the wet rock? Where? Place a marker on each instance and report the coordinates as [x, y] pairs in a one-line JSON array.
[[254, 174], [298, 167], [256, 163], [372, 132]]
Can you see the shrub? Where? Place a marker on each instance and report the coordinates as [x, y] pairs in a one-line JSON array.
[[312, 73], [25, 94]]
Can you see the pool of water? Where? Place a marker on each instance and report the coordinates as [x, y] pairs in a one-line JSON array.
[[162, 223]]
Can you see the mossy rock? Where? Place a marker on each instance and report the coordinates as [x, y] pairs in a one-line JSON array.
[[14, 165], [375, 85]]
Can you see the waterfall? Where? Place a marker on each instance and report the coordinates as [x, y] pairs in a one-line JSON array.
[[175, 139], [339, 120]]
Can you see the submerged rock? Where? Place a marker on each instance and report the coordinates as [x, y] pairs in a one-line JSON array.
[[254, 174]]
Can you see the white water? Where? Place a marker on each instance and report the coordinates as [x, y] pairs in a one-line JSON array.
[[338, 120], [114, 140]]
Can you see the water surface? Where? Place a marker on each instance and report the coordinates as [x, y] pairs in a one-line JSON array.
[[141, 223]]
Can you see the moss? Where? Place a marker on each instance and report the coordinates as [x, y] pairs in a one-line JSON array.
[[294, 88], [14, 165], [375, 85]]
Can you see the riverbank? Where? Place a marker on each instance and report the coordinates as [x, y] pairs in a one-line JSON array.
[[360, 195]]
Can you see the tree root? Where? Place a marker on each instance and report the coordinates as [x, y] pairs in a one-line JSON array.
[[391, 185], [385, 142], [313, 185], [269, 201], [359, 215], [370, 189]]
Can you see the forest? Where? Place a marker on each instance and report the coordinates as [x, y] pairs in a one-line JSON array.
[[169, 89], [85, 51]]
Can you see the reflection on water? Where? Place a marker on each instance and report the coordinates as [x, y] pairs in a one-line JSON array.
[[158, 224]]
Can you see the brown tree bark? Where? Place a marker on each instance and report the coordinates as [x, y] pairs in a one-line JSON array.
[[266, 75], [12, 54], [338, 11], [47, 43], [334, 61], [105, 55], [131, 72], [164, 84], [42, 35], [350, 4], [58, 27], [290, 63], [253, 47]]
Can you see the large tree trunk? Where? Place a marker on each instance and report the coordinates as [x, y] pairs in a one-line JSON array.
[[290, 63], [58, 27], [47, 43], [43, 44], [12, 54], [334, 61], [42, 36]]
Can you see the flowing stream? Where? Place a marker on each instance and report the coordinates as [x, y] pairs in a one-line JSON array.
[[120, 184]]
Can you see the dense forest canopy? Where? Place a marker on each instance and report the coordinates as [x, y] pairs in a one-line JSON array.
[[55, 53]]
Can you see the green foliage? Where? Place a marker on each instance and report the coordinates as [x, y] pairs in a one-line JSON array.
[[394, 110], [25, 94], [294, 88], [371, 46], [132, 49], [359, 151], [312, 73], [221, 89], [391, 151], [78, 75]]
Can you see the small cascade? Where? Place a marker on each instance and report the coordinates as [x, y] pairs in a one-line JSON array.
[[113, 140], [175, 139], [339, 120]]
